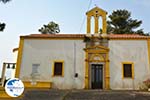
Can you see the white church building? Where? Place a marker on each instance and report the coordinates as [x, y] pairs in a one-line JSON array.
[[84, 61]]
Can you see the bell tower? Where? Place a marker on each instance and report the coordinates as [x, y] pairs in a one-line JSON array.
[[96, 51], [96, 13]]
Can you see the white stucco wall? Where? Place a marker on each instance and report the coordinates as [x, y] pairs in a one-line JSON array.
[[44, 52], [128, 51]]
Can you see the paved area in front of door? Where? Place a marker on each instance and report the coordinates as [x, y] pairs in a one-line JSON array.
[[85, 95]]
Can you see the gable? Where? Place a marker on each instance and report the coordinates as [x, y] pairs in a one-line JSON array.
[[96, 10]]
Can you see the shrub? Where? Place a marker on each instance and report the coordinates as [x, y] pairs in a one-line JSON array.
[[147, 82]]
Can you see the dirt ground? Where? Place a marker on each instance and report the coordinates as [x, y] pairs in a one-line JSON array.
[[85, 95]]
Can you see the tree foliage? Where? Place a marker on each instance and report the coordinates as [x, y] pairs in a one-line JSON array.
[[2, 25], [121, 23], [50, 28], [5, 1]]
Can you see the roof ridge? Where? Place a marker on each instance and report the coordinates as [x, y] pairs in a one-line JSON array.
[[111, 36]]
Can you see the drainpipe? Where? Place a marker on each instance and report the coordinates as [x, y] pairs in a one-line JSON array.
[[74, 56]]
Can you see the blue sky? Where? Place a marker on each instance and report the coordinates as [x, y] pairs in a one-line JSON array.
[[25, 17]]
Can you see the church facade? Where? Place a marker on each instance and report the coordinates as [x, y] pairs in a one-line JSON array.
[[84, 61]]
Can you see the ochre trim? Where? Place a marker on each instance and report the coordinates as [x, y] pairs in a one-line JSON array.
[[98, 47], [101, 58], [132, 65], [107, 73], [96, 13], [90, 12], [86, 72], [28, 85], [1, 88], [96, 60], [42, 85], [148, 50], [53, 68], [5, 96], [19, 58], [99, 53]]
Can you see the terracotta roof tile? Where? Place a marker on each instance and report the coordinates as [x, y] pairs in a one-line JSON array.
[[127, 36], [111, 36], [56, 35]]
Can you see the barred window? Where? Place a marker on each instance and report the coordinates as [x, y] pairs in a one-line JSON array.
[[127, 71], [58, 69], [35, 68]]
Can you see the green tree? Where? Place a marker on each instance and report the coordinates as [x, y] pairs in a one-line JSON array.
[[5, 1], [2, 25], [121, 23], [50, 28]]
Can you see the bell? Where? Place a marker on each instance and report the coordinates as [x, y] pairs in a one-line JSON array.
[[13, 67], [8, 66]]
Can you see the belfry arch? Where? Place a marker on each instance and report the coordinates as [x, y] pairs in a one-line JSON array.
[[97, 74], [96, 13]]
